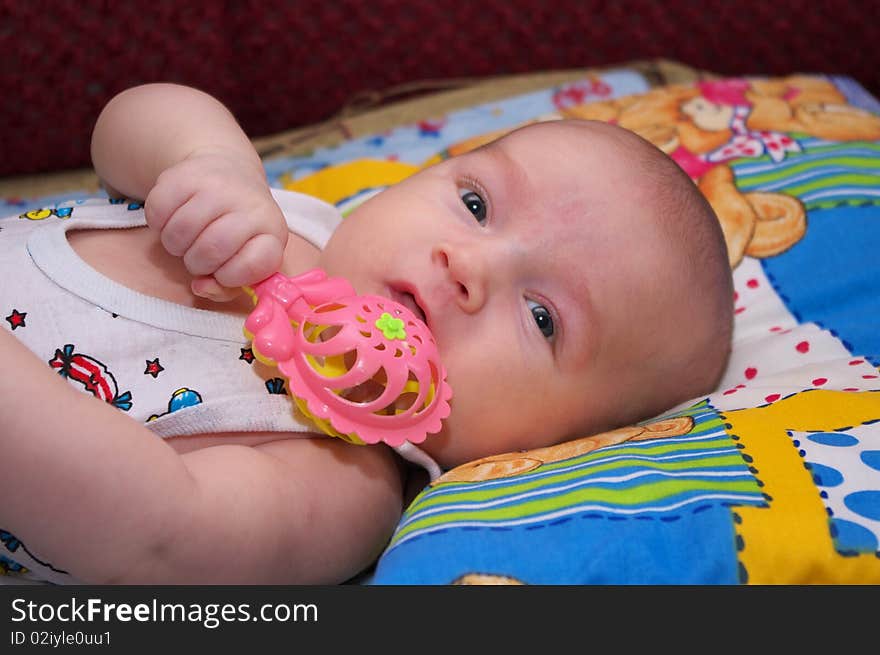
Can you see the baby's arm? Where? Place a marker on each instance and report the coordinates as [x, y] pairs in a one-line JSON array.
[[114, 503], [204, 186]]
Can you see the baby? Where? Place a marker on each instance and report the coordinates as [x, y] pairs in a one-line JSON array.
[[572, 275]]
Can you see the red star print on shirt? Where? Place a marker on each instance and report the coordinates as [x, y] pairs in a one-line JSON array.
[[16, 319], [153, 368]]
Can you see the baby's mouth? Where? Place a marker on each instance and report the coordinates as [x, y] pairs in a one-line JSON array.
[[409, 300]]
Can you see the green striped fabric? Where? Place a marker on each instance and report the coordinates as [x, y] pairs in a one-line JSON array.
[[655, 477], [825, 174]]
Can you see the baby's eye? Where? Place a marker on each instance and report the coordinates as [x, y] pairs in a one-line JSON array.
[[542, 317], [475, 204]]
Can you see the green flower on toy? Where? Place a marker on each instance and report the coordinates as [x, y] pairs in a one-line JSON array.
[[391, 327]]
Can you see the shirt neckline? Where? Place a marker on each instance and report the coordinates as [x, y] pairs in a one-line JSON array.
[[52, 253]]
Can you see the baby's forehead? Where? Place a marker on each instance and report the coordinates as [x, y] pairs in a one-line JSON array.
[[615, 186], [575, 149], [580, 131], [585, 170]]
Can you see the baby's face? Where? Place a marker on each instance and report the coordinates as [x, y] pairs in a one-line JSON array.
[[527, 259]]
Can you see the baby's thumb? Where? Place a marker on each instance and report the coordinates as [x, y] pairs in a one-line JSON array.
[[205, 286]]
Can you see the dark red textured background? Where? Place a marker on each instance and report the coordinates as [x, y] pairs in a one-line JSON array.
[[280, 65]]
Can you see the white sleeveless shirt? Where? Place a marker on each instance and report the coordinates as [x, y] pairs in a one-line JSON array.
[[178, 369]]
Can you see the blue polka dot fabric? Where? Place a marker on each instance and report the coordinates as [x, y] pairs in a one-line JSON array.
[[845, 465]]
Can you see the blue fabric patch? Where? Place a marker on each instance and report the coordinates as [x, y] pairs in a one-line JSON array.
[[838, 254], [697, 548]]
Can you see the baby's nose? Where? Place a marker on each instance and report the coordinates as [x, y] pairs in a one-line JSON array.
[[465, 270]]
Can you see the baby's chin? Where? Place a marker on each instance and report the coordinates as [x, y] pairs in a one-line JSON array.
[[454, 446], [446, 449]]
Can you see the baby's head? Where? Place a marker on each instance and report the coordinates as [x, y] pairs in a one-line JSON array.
[[574, 279]]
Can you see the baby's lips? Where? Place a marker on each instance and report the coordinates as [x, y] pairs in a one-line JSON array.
[[408, 295]]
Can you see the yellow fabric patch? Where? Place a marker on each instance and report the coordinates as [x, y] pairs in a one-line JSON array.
[[342, 181], [790, 542]]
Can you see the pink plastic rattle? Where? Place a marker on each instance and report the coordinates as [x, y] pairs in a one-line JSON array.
[[363, 368]]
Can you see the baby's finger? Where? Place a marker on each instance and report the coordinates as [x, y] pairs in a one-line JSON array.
[[257, 260], [186, 224], [218, 243], [207, 287], [166, 197]]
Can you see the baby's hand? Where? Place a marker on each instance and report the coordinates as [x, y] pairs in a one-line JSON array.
[[214, 209]]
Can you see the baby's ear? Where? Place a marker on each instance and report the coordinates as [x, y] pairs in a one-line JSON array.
[[490, 468]]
